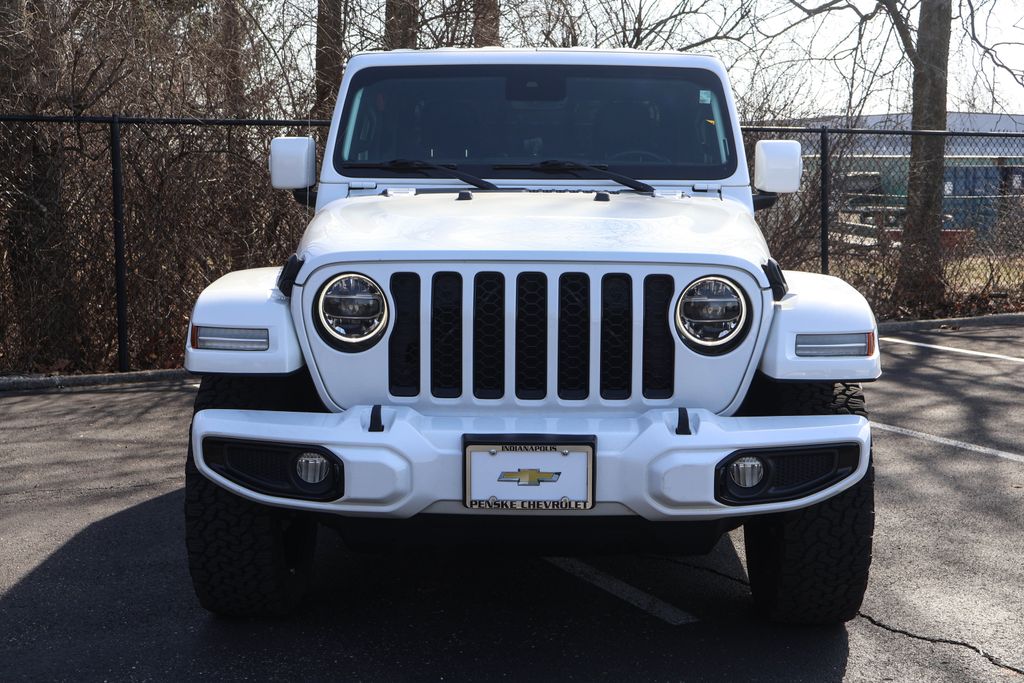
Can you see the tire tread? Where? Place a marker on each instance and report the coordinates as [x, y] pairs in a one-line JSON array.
[[811, 566]]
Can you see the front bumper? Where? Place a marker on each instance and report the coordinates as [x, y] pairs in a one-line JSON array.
[[642, 467]]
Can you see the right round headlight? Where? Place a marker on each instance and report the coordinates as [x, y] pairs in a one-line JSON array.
[[711, 314], [352, 310]]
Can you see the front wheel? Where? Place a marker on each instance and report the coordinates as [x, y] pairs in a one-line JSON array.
[[811, 566], [247, 559]]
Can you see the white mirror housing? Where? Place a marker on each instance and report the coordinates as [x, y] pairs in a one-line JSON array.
[[292, 163], [778, 165]]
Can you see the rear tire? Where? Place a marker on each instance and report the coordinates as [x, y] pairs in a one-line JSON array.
[[247, 559], [811, 566]]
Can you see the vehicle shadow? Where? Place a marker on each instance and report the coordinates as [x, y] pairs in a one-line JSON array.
[[115, 601]]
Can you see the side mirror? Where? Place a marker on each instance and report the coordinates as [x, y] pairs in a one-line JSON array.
[[778, 166], [292, 163]]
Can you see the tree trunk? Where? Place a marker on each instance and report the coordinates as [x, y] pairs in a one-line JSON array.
[[401, 23], [45, 305], [486, 22], [12, 53], [920, 282], [330, 55], [233, 68]]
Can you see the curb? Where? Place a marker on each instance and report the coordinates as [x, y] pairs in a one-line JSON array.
[[976, 321], [21, 383]]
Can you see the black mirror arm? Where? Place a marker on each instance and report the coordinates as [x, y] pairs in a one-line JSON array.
[[305, 196], [764, 200]]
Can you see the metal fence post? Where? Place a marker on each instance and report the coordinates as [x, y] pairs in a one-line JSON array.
[[826, 173], [120, 269]]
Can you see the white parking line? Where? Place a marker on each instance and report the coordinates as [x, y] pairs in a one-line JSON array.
[[949, 442], [622, 590], [983, 354]]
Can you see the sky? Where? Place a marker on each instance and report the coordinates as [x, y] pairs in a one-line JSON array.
[[975, 84]]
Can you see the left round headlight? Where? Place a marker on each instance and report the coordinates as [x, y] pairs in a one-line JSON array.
[[352, 311], [711, 314]]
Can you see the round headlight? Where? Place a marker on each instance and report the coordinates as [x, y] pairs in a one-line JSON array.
[[352, 309], [711, 313]]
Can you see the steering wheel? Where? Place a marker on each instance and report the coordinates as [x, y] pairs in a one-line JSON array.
[[641, 154]]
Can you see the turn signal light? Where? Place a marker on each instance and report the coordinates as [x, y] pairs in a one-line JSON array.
[[824, 345], [230, 338]]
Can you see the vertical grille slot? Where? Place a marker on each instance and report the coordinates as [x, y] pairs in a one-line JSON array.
[[616, 336], [531, 336], [489, 335], [659, 358], [574, 336], [446, 335], [404, 346]]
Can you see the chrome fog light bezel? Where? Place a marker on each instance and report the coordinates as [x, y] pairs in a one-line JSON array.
[[350, 343], [716, 346], [747, 472]]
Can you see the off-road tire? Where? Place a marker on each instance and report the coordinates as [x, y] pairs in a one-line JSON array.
[[247, 559], [810, 566]]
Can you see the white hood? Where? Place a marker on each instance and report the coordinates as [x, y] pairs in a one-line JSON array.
[[535, 226]]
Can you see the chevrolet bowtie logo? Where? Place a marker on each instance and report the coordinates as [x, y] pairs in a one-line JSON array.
[[529, 477]]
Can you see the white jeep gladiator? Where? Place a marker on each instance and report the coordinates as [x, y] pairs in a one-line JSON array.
[[533, 306]]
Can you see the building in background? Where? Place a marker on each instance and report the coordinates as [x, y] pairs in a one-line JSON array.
[[984, 169]]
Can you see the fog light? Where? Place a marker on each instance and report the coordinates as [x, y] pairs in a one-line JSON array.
[[746, 472], [312, 468]]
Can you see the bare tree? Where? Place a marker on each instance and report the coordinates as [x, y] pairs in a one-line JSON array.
[[486, 21], [330, 53], [920, 275], [924, 47], [401, 24]]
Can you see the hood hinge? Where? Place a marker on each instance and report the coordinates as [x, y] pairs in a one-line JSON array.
[[708, 188]]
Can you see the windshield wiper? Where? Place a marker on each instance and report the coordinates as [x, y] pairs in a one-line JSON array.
[[562, 166], [419, 166]]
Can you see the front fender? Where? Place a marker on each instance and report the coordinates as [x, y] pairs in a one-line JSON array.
[[819, 304], [246, 299]]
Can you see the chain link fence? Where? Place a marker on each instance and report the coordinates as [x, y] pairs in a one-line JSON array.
[[111, 227], [848, 220]]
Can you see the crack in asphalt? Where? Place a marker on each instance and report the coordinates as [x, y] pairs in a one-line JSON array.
[[941, 641], [993, 659]]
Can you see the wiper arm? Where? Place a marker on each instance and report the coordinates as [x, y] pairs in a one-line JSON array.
[[419, 166], [562, 166]]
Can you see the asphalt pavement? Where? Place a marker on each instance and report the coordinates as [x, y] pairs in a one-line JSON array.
[[94, 584]]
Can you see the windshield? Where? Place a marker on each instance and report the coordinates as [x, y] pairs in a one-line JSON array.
[[643, 122]]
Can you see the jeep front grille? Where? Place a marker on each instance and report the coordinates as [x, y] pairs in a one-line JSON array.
[[573, 336], [659, 341], [489, 335], [404, 347], [527, 375]]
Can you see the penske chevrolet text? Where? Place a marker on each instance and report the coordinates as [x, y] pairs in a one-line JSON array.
[[532, 306]]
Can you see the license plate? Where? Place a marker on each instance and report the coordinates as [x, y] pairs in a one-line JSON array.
[[529, 472]]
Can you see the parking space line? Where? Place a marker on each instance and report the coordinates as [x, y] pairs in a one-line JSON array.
[[969, 352], [949, 442], [622, 590]]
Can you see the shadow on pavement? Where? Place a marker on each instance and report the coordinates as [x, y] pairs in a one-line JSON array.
[[116, 602]]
